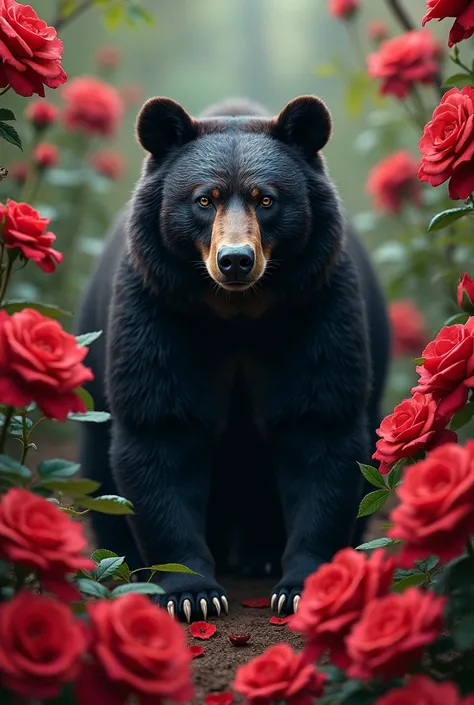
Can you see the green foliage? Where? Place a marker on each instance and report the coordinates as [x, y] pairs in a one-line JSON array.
[[49, 310], [9, 134], [448, 217], [91, 417], [373, 502], [142, 588], [372, 475], [88, 338], [57, 468], [377, 543], [106, 504]]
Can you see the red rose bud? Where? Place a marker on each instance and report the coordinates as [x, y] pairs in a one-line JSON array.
[[18, 171], [466, 294], [377, 30], [109, 163], [45, 155], [343, 9], [93, 106], [41, 114], [108, 57], [239, 639]]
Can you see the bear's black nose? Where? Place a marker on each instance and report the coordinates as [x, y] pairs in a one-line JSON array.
[[235, 262]]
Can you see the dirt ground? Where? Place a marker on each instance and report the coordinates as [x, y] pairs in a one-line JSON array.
[[214, 670]]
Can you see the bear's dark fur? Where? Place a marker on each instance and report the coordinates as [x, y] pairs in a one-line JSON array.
[[238, 415]]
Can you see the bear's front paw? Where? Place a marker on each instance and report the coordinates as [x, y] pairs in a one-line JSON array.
[[285, 598], [188, 596], [287, 593]]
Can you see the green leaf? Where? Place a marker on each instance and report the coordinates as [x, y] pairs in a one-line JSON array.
[[409, 581], [135, 13], [396, 473], [445, 218], [377, 543], [86, 398], [372, 475], [419, 360], [91, 588], [56, 467], [46, 309], [462, 417], [142, 588], [88, 338], [6, 114], [113, 16], [107, 567], [462, 633], [458, 79], [457, 318], [74, 488], [91, 416], [106, 504], [172, 568], [102, 553], [9, 134], [9, 466], [373, 502]]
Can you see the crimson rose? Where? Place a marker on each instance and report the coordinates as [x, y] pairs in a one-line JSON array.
[[30, 51], [390, 636], [137, 648], [278, 675], [424, 691], [462, 10], [334, 597], [436, 512], [447, 144], [393, 181]]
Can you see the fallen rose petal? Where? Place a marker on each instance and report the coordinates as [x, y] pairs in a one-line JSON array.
[[239, 639], [257, 602], [202, 630], [279, 620], [196, 651], [219, 699]]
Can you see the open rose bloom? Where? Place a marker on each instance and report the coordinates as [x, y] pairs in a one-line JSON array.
[[461, 10], [30, 51]]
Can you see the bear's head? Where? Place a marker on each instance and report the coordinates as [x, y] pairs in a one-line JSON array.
[[232, 207]]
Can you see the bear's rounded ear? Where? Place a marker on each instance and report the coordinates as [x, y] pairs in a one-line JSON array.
[[304, 123], [162, 124]]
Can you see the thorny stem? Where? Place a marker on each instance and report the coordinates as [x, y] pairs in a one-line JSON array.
[[25, 440], [60, 21], [6, 423]]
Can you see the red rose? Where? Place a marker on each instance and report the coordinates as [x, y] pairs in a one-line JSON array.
[[436, 510], [24, 228], [108, 57], [404, 61], [334, 597], [38, 535], [109, 163], [447, 145], [343, 9], [447, 371], [18, 172], [41, 113], [30, 51], [219, 699], [465, 294], [462, 10], [278, 675], [137, 648], [40, 646], [377, 30], [40, 362], [131, 93], [424, 691], [390, 636], [411, 427], [46, 155], [393, 181], [92, 106]]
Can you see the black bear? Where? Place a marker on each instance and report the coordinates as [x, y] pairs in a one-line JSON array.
[[244, 356]]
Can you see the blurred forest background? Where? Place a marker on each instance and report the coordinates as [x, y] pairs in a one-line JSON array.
[[199, 52]]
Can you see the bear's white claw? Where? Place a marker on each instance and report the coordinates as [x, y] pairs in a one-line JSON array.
[[296, 602], [203, 605], [187, 610], [217, 605], [281, 602], [170, 608], [273, 602], [225, 604]]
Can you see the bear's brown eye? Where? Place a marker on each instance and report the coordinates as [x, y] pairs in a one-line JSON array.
[[204, 201], [266, 201]]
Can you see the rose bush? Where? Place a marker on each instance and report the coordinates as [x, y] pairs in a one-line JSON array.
[[393, 181]]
